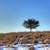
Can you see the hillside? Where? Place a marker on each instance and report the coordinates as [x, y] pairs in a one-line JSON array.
[[24, 37]]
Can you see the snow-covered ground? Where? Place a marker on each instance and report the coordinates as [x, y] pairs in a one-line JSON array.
[[42, 47], [37, 47]]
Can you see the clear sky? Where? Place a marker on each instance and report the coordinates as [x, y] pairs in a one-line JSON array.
[[14, 12]]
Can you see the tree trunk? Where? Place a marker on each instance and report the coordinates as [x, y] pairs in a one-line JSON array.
[[30, 30]]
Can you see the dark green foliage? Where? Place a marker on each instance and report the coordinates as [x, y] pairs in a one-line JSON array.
[[31, 24]]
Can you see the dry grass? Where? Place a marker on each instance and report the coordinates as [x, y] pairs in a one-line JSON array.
[[24, 37]]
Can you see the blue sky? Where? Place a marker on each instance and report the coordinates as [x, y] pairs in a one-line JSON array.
[[14, 12]]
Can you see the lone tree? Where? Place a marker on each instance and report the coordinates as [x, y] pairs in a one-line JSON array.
[[31, 24]]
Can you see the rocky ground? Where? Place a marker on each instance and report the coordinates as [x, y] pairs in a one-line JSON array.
[[24, 37]]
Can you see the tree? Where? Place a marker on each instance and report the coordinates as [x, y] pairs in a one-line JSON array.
[[31, 24]]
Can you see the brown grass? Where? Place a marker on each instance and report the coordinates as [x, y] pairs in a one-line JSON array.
[[24, 37]]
